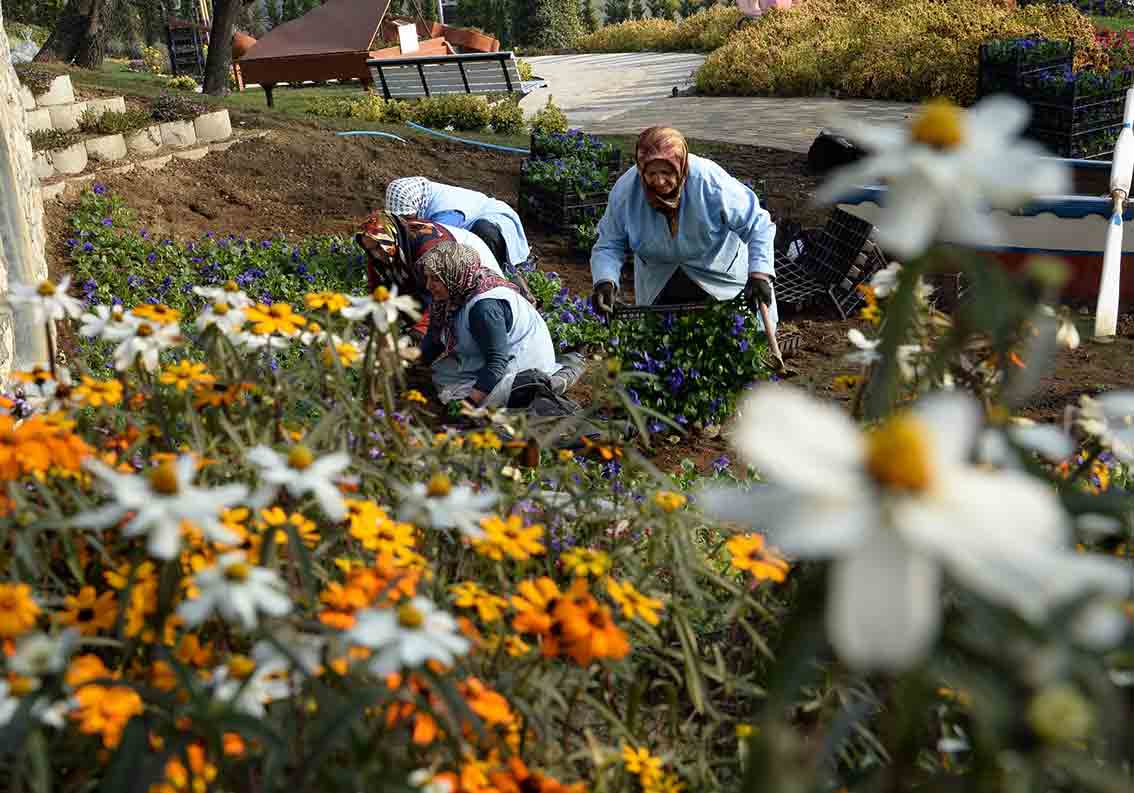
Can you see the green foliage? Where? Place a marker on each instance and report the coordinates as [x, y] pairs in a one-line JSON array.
[[573, 143], [182, 82], [616, 12], [460, 111], [114, 123], [37, 79], [662, 9], [575, 174], [703, 31], [570, 319], [396, 111], [637, 10], [18, 31], [40, 13], [696, 364], [904, 50], [369, 108], [331, 107], [549, 119], [52, 139], [168, 107], [524, 68], [584, 236], [588, 16], [556, 25], [506, 117]]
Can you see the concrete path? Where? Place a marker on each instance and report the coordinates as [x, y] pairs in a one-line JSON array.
[[624, 93]]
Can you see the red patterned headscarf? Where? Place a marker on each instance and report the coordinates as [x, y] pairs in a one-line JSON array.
[[458, 267], [402, 241], [668, 145]]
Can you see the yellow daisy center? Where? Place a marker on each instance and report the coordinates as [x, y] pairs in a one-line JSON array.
[[300, 458], [241, 666], [410, 617], [231, 286], [221, 308], [898, 454], [237, 572], [941, 125], [20, 686], [46, 289], [381, 294], [439, 486], [163, 478], [144, 330]]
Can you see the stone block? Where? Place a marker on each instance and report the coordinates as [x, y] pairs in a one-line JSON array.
[[224, 145], [65, 118], [155, 163], [106, 148], [60, 93], [27, 99], [144, 141], [41, 165], [113, 105], [69, 160], [212, 127], [54, 190], [195, 153], [178, 133], [39, 120]]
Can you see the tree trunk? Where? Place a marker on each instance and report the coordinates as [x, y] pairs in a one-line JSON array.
[[225, 14], [80, 35]]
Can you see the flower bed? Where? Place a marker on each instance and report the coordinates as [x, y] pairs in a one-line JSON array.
[[576, 143], [562, 192], [1005, 62]]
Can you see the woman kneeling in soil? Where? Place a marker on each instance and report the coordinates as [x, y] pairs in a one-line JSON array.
[[697, 234], [493, 221], [483, 331], [395, 246]]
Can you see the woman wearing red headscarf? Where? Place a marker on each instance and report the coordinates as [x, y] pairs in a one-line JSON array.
[[696, 233]]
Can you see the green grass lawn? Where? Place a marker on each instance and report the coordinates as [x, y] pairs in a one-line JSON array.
[[1114, 23]]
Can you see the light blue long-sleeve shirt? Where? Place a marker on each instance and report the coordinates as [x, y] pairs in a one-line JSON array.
[[444, 200], [723, 235]]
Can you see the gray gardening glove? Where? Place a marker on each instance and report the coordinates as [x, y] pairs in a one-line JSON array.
[[602, 298], [758, 291]]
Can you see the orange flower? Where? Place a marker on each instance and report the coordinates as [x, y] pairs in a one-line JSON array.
[[519, 779], [35, 445], [18, 611], [89, 612], [84, 669], [489, 705], [750, 552], [591, 634], [104, 711], [197, 779], [534, 604]]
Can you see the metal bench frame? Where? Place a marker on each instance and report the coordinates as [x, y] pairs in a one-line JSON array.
[[509, 82]]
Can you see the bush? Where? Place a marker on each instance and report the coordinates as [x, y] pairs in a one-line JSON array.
[[182, 82], [556, 24], [175, 108], [330, 106], [37, 80], [114, 123], [369, 108], [903, 50], [154, 60], [704, 31], [459, 111], [396, 111], [549, 119], [506, 117], [52, 139], [524, 68]]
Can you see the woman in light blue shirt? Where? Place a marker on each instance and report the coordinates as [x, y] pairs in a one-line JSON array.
[[697, 234]]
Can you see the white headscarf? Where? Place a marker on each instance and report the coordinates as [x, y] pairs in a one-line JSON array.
[[408, 196]]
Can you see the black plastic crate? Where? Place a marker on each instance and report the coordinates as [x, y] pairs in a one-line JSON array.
[[997, 75], [1086, 145], [560, 209], [1080, 113], [611, 158]]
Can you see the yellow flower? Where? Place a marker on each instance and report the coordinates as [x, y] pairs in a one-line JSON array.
[[276, 318], [97, 393], [509, 538], [846, 383], [870, 312], [641, 763], [667, 782], [669, 501], [413, 395], [566, 455], [750, 552], [276, 518], [633, 603], [586, 561], [485, 440], [516, 646], [332, 301], [159, 313], [37, 375], [88, 611], [186, 373], [469, 594], [346, 351], [18, 611]]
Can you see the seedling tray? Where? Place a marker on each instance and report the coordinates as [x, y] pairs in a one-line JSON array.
[[559, 209]]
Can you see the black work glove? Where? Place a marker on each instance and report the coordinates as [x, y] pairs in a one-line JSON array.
[[602, 298], [758, 291]]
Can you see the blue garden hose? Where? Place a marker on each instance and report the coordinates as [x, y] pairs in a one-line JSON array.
[[370, 133], [493, 146]]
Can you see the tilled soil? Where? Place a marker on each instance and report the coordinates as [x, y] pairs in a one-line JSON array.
[[301, 180]]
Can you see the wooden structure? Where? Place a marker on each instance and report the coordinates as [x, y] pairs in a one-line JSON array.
[[187, 41], [336, 40]]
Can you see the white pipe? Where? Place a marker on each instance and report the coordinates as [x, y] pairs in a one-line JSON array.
[[1121, 173]]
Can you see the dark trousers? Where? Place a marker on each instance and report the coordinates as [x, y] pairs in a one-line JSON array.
[[680, 288], [490, 233]]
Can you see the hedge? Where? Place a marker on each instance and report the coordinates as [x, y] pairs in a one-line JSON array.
[[704, 31]]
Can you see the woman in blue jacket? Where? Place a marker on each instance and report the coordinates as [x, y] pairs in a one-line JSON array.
[[696, 233]]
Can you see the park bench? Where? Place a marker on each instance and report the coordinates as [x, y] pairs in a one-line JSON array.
[[438, 75]]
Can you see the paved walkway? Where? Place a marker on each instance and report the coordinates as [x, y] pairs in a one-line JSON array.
[[624, 93]]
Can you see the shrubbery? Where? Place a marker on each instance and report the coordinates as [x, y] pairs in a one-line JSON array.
[[704, 31], [460, 111], [549, 119], [113, 122], [904, 50]]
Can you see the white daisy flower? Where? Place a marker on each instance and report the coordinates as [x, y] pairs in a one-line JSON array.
[[407, 350], [48, 394], [946, 170], [427, 782], [440, 505], [250, 694], [313, 335], [300, 473], [46, 300], [408, 636], [256, 341], [38, 654], [896, 508], [225, 316], [236, 590], [994, 446], [104, 322], [1109, 419], [45, 712], [230, 293], [382, 305], [867, 353], [885, 281], [1067, 332], [143, 340], [306, 649], [159, 501]]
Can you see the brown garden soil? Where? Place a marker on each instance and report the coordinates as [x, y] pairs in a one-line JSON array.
[[301, 180]]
